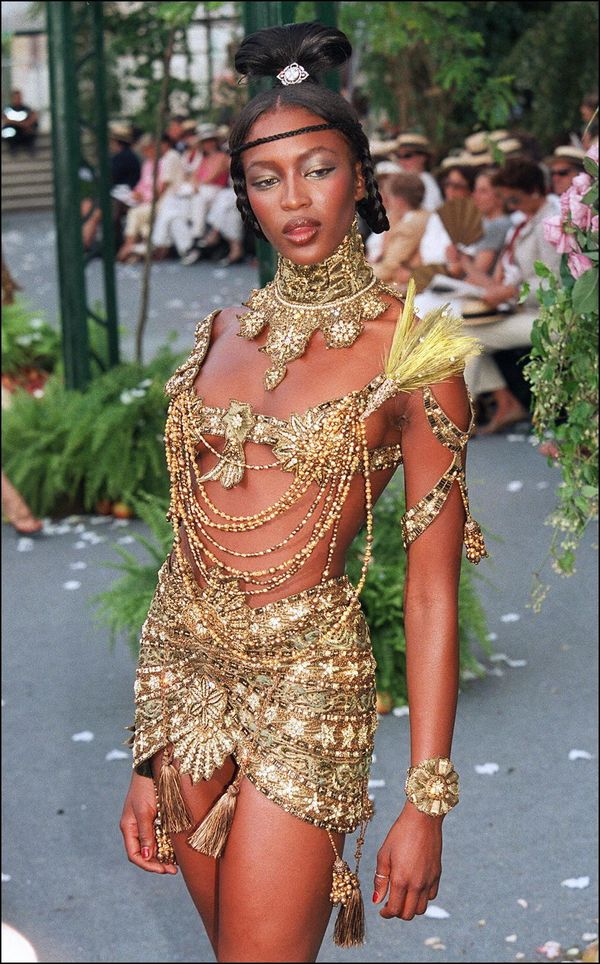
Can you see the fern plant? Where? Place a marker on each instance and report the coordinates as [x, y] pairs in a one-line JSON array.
[[28, 341], [123, 607], [73, 448]]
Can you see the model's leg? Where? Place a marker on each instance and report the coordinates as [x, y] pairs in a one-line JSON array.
[[274, 884], [200, 872]]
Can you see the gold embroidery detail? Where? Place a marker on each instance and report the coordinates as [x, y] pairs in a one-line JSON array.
[[334, 296], [238, 422]]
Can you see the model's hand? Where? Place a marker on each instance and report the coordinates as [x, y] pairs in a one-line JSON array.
[[137, 826], [410, 864]]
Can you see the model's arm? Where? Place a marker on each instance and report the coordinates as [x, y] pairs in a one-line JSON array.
[[411, 853]]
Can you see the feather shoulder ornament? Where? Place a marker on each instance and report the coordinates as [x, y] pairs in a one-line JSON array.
[[432, 350]]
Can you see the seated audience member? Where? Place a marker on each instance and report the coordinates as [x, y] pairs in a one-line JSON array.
[[125, 172], [225, 224], [413, 153], [173, 223], [210, 178], [169, 177], [19, 123], [384, 168], [479, 260], [563, 166], [445, 226], [522, 187], [402, 196]]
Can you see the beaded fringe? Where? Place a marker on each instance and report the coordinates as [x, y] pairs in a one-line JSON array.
[[211, 835], [349, 928], [175, 816]]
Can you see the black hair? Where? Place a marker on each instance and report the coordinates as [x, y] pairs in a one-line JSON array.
[[468, 173], [316, 48], [522, 175]]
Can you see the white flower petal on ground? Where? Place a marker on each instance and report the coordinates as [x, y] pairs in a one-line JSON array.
[[86, 736], [542, 485], [580, 755], [5, 878], [98, 520], [468, 674], [400, 711], [515, 437], [175, 303], [589, 936], [575, 883], [120, 523], [510, 618], [486, 768], [492, 637], [511, 938], [80, 545], [516, 663], [521, 902], [551, 950], [80, 564], [515, 486], [434, 911], [495, 671], [430, 941], [25, 544], [71, 584], [374, 784], [497, 657], [56, 530], [126, 540], [519, 956], [116, 755]]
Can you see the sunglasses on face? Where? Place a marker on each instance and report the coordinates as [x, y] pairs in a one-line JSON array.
[[562, 172]]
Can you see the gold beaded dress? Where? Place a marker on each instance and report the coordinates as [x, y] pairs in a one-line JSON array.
[[286, 687]]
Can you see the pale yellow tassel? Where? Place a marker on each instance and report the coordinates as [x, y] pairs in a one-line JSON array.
[[349, 928], [175, 817], [211, 836]]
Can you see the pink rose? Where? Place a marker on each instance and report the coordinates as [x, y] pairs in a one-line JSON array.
[[593, 152], [578, 264], [581, 214], [553, 230], [594, 224], [581, 184], [567, 244]]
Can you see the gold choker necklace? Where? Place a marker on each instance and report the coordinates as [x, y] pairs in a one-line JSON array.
[[334, 296]]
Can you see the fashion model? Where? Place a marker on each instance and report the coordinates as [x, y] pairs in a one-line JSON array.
[[255, 689]]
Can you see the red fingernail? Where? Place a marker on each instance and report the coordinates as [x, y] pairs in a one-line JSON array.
[[375, 897], [145, 852]]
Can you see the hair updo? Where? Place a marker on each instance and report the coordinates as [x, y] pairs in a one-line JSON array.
[[316, 48]]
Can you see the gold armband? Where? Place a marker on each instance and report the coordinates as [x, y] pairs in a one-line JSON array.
[[432, 786]]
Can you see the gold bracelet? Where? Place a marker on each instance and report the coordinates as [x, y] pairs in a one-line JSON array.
[[432, 786]]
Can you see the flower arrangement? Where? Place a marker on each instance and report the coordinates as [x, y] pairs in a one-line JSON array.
[[563, 367]]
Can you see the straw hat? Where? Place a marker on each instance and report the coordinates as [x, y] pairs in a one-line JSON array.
[[387, 167], [474, 311], [188, 126], [510, 146], [477, 143], [567, 152], [495, 136], [383, 148], [418, 141], [208, 132], [121, 132], [456, 160]]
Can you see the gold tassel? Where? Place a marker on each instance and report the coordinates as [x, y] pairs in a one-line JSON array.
[[175, 816], [211, 835], [350, 924], [474, 541]]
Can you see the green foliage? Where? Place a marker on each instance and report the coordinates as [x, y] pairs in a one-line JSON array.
[[563, 372], [124, 606], [72, 448], [383, 599], [28, 341], [555, 63]]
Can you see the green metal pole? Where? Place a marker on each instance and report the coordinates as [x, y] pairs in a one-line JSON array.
[[103, 186], [66, 158]]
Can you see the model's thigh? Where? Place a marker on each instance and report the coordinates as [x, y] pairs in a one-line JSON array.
[[200, 872], [274, 886]]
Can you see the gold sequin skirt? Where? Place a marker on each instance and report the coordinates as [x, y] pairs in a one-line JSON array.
[[287, 689]]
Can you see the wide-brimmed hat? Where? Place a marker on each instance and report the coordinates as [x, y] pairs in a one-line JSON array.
[[567, 152], [208, 132], [417, 141], [499, 135], [383, 149], [456, 160], [510, 145], [475, 311], [120, 132], [387, 167], [188, 126], [477, 143]]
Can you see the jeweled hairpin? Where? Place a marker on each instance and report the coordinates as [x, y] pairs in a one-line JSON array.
[[292, 74]]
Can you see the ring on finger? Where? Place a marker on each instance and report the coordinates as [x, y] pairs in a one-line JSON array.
[[385, 876]]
